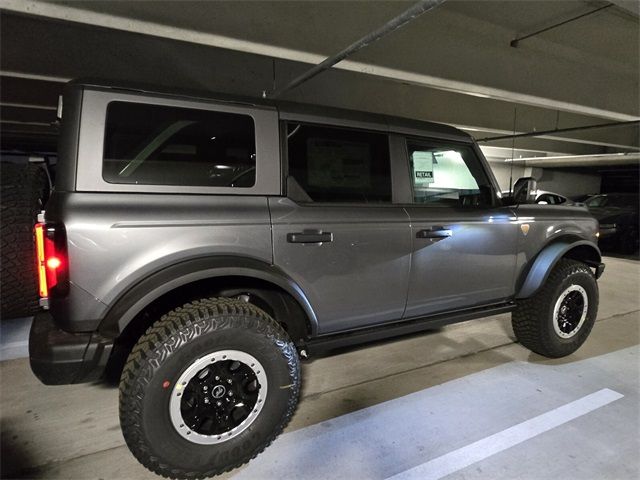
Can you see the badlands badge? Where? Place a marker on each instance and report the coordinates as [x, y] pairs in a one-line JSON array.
[[525, 228]]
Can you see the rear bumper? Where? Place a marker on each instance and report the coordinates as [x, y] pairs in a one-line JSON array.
[[58, 357], [607, 232]]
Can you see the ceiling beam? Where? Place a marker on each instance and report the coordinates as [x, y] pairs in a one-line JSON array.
[[579, 160], [98, 19]]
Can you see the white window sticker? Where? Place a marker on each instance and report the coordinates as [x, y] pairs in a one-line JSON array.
[[338, 164], [422, 168]]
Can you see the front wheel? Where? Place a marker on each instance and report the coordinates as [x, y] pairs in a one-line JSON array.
[[557, 320], [207, 388]]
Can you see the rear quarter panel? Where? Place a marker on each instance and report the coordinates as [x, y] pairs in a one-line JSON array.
[[116, 240]]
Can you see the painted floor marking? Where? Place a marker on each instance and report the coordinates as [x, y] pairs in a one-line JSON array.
[[463, 457]]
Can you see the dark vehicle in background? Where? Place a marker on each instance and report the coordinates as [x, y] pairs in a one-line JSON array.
[[618, 215], [550, 198], [583, 198], [543, 197]]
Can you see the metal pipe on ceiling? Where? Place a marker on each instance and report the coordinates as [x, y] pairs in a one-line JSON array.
[[401, 20], [579, 160], [514, 43], [560, 130]]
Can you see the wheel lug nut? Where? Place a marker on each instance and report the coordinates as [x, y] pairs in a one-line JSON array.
[[217, 377], [218, 404], [230, 394], [229, 381], [205, 388], [206, 400]]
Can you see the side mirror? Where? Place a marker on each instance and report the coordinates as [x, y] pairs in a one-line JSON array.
[[524, 190]]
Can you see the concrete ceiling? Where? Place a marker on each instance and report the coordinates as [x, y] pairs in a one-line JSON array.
[[453, 65]]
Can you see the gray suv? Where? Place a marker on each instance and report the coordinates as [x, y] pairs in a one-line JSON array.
[[197, 247]]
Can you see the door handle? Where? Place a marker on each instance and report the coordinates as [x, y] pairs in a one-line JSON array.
[[434, 232], [309, 237]]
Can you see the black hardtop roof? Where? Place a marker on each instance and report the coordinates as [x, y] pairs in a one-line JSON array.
[[285, 108]]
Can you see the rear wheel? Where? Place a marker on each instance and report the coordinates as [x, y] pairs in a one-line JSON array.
[[557, 320], [207, 388]]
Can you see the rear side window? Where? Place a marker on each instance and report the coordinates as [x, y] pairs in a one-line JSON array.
[[340, 165], [158, 145]]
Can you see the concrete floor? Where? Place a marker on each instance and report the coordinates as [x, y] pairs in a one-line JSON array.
[[462, 402]]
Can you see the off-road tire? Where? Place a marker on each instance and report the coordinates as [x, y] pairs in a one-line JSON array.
[[532, 319], [24, 190], [165, 351]]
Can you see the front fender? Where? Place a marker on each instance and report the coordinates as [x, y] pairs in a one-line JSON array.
[[154, 286], [544, 262]]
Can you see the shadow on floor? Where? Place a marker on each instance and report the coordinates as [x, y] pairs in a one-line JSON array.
[[15, 454]]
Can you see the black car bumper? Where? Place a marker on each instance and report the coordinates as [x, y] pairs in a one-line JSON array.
[[597, 266], [58, 357]]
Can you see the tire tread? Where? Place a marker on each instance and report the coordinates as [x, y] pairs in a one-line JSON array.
[[528, 319], [172, 331]]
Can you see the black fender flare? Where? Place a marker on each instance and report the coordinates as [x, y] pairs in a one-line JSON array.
[[135, 299], [547, 259]]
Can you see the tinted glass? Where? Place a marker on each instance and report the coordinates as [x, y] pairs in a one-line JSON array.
[[157, 145], [340, 165], [597, 201], [447, 175]]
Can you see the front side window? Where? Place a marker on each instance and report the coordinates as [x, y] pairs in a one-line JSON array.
[[158, 145], [447, 175], [339, 165]]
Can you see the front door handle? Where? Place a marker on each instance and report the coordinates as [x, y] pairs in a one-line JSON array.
[[309, 237], [434, 232]]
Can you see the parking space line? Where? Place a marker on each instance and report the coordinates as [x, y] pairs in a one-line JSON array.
[[463, 457]]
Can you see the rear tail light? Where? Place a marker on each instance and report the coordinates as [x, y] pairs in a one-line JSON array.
[[53, 262]]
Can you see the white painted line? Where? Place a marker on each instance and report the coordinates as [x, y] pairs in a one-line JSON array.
[[463, 457]]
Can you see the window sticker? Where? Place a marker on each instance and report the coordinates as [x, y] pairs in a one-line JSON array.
[[422, 168], [338, 164]]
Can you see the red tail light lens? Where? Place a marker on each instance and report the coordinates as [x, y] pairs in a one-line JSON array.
[[53, 266]]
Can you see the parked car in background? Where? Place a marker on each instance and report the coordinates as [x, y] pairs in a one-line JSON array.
[[583, 198], [618, 216], [551, 198], [544, 197]]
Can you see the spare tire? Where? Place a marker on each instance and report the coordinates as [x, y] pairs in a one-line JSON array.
[[24, 191]]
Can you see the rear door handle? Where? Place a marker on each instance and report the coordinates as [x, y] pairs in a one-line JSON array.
[[309, 237], [434, 232]]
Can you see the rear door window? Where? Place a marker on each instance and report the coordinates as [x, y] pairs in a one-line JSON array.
[[340, 165], [159, 145]]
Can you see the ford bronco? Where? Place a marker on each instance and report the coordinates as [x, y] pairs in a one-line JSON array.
[[197, 247]]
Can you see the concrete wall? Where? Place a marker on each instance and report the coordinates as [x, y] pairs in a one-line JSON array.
[[559, 181], [502, 172], [569, 183]]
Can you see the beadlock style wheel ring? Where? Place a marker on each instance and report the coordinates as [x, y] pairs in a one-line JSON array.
[[570, 311], [218, 396]]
